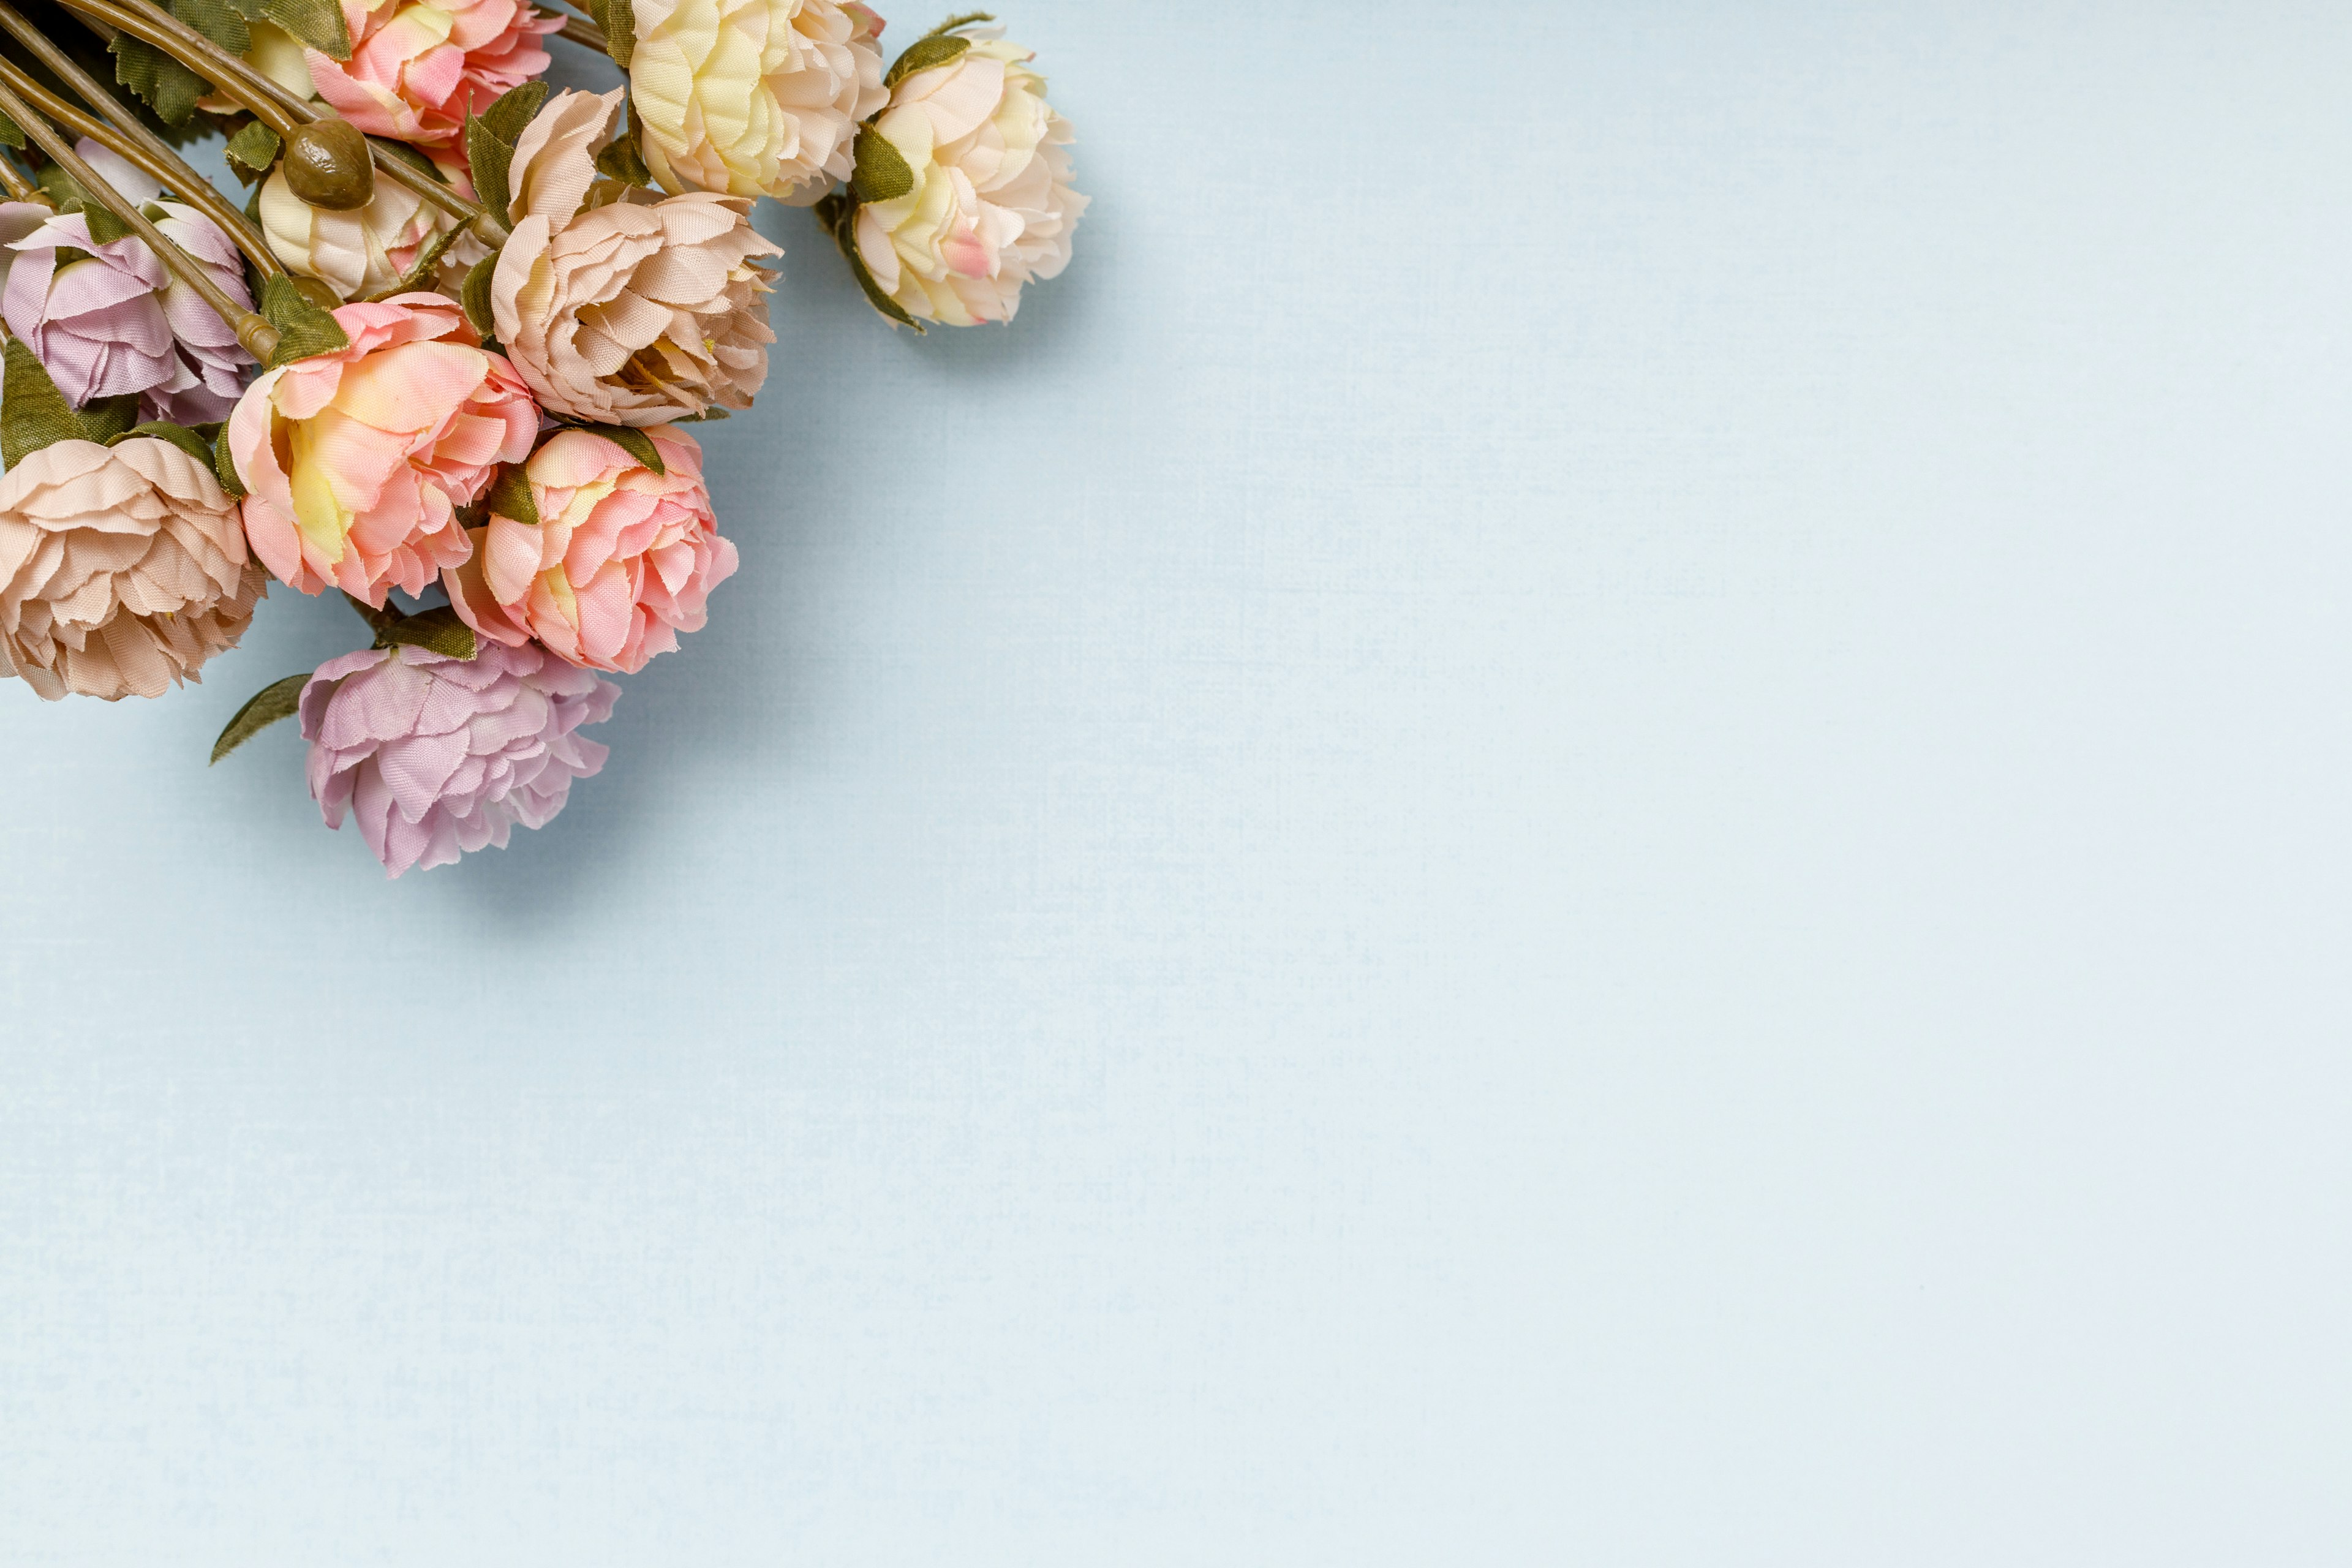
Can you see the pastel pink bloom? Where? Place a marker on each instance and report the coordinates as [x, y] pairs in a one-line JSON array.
[[439, 756], [416, 70], [114, 320], [621, 561], [356, 461]]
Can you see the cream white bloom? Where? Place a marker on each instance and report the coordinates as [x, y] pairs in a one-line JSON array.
[[360, 253], [990, 207], [752, 98]]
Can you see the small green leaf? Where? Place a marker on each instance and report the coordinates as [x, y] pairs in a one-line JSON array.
[[163, 83], [279, 700], [624, 160], [938, 49], [104, 418], [515, 108], [838, 214], [436, 631], [179, 436], [303, 329], [881, 174], [11, 134], [252, 151], [218, 21], [318, 23], [634, 442], [475, 296], [619, 20], [509, 496], [490, 139], [225, 466], [33, 413], [105, 229]]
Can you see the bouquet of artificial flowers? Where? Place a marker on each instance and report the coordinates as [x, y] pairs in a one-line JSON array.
[[450, 346]]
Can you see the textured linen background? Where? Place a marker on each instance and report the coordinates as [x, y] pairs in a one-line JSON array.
[[1595, 811]]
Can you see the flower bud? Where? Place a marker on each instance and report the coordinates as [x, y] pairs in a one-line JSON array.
[[326, 164]]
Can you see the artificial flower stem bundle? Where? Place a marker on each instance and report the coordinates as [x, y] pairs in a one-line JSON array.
[[450, 347]]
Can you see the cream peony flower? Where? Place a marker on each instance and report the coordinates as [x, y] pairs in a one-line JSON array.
[[360, 253], [753, 98], [991, 206], [636, 312], [122, 569]]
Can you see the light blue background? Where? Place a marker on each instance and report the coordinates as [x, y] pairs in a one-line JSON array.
[[1593, 811]]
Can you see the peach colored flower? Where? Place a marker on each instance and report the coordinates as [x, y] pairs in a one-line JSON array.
[[122, 569], [417, 69], [365, 252], [637, 312], [992, 206], [357, 460], [753, 98], [439, 756], [621, 561]]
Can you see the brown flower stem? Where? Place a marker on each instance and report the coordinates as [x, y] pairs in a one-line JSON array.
[[280, 109], [259, 338], [197, 191], [583, 31], [19, 188], [152, 155]]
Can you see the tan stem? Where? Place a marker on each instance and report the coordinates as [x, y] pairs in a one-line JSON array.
[[259, 338], [587, 33], [20, 189], [159, 162], [186, 182]]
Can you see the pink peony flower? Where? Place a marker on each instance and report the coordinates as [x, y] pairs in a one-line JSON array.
[[416, 70], [113, 320], [357, 460], [621, 560], [438, 756]]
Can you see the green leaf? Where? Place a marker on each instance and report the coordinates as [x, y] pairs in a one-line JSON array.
[[318, 23], [937, 49], [11, 134], [438, 631], [215, 20], [624, 160], [303, 329], [163, 83], [475, 296], [225, 466], [881, 174], [104, 418], [105, 229], [509, 496], [490, 139], [33, 413], [636, 443], [179, 436], [514, 109], [838, 214], [252, 151], [618, 18], [278, 699]]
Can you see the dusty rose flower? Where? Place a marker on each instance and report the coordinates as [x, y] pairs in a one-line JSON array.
[[357, 460], [636, 312], [122, 569], [621, 561], [992, 206], [439, 756], [114, 320], [416, 70], [368, 251], [753, 98]]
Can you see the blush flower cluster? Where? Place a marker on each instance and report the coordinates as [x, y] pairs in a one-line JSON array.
[[444, 363]]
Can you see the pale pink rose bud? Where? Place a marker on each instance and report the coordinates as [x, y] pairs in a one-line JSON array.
[[638, 313], [417, 70], [621, 561], [356, 461], [116, 320], [438, 756], [753, 98], [990, 207], [122, 569]]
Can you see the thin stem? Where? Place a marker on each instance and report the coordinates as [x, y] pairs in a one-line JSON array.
[[20, 189], [259, 338], [160, 162], [587, 33], [185, 181]]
